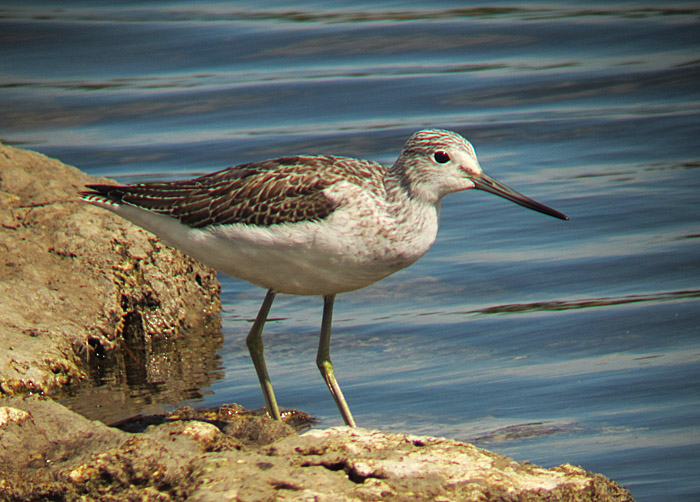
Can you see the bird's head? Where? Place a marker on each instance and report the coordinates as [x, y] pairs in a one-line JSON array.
[[436, 162]]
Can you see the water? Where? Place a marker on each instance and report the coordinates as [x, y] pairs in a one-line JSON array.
[[580, 338]]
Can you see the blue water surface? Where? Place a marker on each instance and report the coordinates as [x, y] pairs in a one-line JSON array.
[[544, 340]]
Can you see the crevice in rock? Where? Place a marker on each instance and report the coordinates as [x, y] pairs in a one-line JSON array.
[[283, 485], [352, 473]]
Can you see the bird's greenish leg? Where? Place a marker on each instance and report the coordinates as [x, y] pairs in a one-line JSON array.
[[323, 361], [255, 347]]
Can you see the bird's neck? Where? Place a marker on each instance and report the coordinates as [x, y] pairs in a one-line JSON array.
[[402, 188], [415, 220], [406, 203]]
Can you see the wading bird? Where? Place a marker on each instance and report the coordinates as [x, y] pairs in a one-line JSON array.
[[310, 225]]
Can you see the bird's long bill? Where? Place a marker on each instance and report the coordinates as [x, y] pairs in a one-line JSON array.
[[488, 184]]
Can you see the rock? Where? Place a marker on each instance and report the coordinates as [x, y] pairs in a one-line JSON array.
[[77, 281], [191, 459]]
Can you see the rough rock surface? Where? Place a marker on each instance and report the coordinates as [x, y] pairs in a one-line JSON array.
[[75, 280], [50, 453]]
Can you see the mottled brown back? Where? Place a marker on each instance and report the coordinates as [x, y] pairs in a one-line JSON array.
[[284, 190]]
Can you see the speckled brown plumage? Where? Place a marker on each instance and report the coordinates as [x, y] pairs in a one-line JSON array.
[[284, 190]]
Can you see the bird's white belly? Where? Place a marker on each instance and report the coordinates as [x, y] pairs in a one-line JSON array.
[[297, 268], [342, 253], [311, 258]]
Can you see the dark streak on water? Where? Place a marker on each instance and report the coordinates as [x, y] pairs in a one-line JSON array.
[[549, 341], [586, 303]]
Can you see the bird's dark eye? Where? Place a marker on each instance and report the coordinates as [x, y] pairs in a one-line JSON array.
[[441, 157]]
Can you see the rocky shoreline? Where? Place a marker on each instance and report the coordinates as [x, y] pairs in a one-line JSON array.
[[82, 290]]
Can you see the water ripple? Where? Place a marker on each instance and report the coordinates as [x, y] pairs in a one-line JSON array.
[[586, 303]]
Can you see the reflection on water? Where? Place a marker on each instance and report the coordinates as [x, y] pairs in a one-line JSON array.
[[151, 375]]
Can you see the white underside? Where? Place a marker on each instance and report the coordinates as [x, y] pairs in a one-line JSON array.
[[346, 251]]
